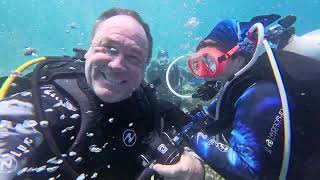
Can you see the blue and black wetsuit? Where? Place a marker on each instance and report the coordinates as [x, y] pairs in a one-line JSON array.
[[254, 139], [254, 147]]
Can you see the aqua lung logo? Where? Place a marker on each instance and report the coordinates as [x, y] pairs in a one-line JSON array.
[[129, 137], [8, 163], [274, 131], [222, 147], [162, 149]]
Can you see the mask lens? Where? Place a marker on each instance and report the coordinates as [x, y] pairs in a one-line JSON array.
[[195, 67], [202, 65], [209, 62]]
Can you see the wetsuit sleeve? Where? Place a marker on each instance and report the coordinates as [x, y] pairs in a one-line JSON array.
[[245, 155], [20, 133]]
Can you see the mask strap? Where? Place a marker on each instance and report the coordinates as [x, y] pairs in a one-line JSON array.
[[230, 53]]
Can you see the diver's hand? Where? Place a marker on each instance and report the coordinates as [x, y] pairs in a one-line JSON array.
[[208, 90], [188, 168]]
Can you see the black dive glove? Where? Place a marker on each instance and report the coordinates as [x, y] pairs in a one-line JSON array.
[[208, 90]]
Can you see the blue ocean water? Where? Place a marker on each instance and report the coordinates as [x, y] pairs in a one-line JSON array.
[[175, 25]]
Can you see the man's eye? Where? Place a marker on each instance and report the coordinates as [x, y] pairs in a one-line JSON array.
[[134, 59], [112, 50]]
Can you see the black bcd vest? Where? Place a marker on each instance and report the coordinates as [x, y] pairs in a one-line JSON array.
[[68, 78]]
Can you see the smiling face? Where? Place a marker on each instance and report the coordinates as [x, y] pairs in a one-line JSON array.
[[116, 59]]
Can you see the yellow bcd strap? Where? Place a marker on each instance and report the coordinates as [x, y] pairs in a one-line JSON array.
[[6, 85]]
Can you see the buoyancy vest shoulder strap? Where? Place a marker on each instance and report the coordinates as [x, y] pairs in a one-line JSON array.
[[40, 115], [70, 86]]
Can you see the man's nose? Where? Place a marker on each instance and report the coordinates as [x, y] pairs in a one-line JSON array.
[[118, 63]]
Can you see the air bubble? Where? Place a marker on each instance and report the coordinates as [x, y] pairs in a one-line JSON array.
[[81, 177], [111, 120], [52, 169], [44, 123], [75, 116]]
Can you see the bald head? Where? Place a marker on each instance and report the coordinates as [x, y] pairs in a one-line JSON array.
[[119, 11], [122, 25]]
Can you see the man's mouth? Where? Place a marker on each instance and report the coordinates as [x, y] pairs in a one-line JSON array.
[[111, 80]]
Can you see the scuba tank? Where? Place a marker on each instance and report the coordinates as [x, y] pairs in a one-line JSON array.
[[307, 44]]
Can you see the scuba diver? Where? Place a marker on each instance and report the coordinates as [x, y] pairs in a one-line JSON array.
[[79, 118], [267, 112], [157, 70]]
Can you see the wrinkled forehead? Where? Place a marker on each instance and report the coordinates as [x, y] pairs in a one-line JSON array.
[[124, 25]]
